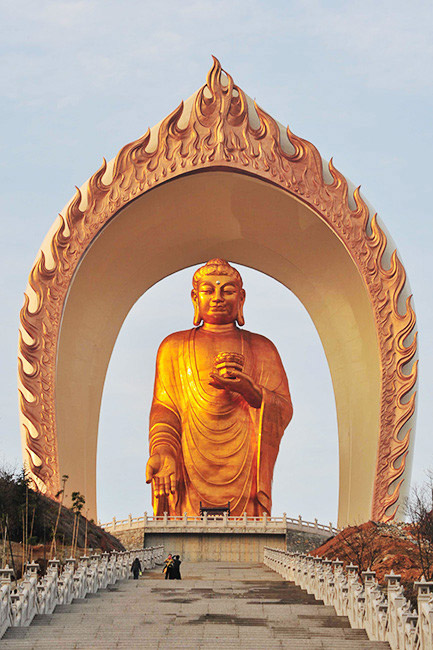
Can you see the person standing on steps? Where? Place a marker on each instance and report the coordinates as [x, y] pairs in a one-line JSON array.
[[168, 565], [136, 568]]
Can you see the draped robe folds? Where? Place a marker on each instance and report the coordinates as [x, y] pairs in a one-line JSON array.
[[225, 449]]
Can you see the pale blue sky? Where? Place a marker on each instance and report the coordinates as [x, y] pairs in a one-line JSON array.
[[79, 79]]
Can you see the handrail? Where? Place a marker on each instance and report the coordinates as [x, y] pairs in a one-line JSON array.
[[208, 520], [386, 615], [32, 596]]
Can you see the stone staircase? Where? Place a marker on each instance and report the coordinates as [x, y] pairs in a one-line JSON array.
[[216, 605]]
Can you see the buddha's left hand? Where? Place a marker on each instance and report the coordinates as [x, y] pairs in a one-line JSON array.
[[238, 382]]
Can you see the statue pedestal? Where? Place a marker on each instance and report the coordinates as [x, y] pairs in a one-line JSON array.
[[226, 539]]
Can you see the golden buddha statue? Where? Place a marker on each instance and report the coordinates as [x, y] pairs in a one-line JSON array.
[[220, 406]]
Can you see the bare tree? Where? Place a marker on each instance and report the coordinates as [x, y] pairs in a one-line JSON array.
[[419, 510], [360, 545], [61, 495]]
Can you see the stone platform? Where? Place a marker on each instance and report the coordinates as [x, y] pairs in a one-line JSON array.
[[227, 539], [215, 605]]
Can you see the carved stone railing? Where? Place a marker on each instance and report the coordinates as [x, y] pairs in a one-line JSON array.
[[215, 523], [19, 605], [386, 615]]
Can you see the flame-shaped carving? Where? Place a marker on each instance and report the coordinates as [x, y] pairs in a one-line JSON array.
[[219, 134]]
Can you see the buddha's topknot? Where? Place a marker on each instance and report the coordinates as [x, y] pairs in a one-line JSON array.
[[217, 266]]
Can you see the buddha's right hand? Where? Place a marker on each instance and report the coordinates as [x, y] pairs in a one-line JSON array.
[[161, 469]]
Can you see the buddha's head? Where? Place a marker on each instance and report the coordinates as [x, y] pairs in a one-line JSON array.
[[217, 294]]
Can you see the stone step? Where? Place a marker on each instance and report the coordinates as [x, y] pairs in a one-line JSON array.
[[215, 605], [153, 641]]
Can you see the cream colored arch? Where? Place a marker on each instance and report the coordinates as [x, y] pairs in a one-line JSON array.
[[219, 177]]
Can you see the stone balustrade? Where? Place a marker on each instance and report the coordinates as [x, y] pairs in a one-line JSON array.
[[32, 596], [214, 523], [386, 615]]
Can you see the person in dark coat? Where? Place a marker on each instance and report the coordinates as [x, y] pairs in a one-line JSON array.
[[175, 570], [136, 568]]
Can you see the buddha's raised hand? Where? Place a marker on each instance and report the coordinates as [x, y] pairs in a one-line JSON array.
[[233, 379]]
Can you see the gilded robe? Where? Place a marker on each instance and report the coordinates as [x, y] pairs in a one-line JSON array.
[[226, 449]]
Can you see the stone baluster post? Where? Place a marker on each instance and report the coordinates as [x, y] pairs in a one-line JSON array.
[[339, 581], [16, 609], [103, 570], [309, 574], [318, 576], [370, 614], [53, 566], [29, 594], [292, 564], [382, 618], [5, 599], [425, 613], [287, 562], [411, 632], [395, 601], [32, 569], [349, 596], [6, 575], [328, 582], [303, 570]]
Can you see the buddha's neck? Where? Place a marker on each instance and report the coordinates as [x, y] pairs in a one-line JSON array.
[[219, 329]]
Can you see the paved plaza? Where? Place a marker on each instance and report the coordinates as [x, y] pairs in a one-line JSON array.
[[216, 605]]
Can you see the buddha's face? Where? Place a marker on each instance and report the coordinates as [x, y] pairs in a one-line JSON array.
[[218, 298]]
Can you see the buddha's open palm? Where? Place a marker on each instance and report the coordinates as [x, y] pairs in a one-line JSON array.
[[161, 468]]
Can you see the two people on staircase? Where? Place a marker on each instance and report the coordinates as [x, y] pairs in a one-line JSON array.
[[172, 567]]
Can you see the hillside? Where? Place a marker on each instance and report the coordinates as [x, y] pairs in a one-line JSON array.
[[380, 547], [28, 519]]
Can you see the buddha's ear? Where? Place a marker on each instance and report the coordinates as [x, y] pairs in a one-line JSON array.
[[197, 318], [240, 317]]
